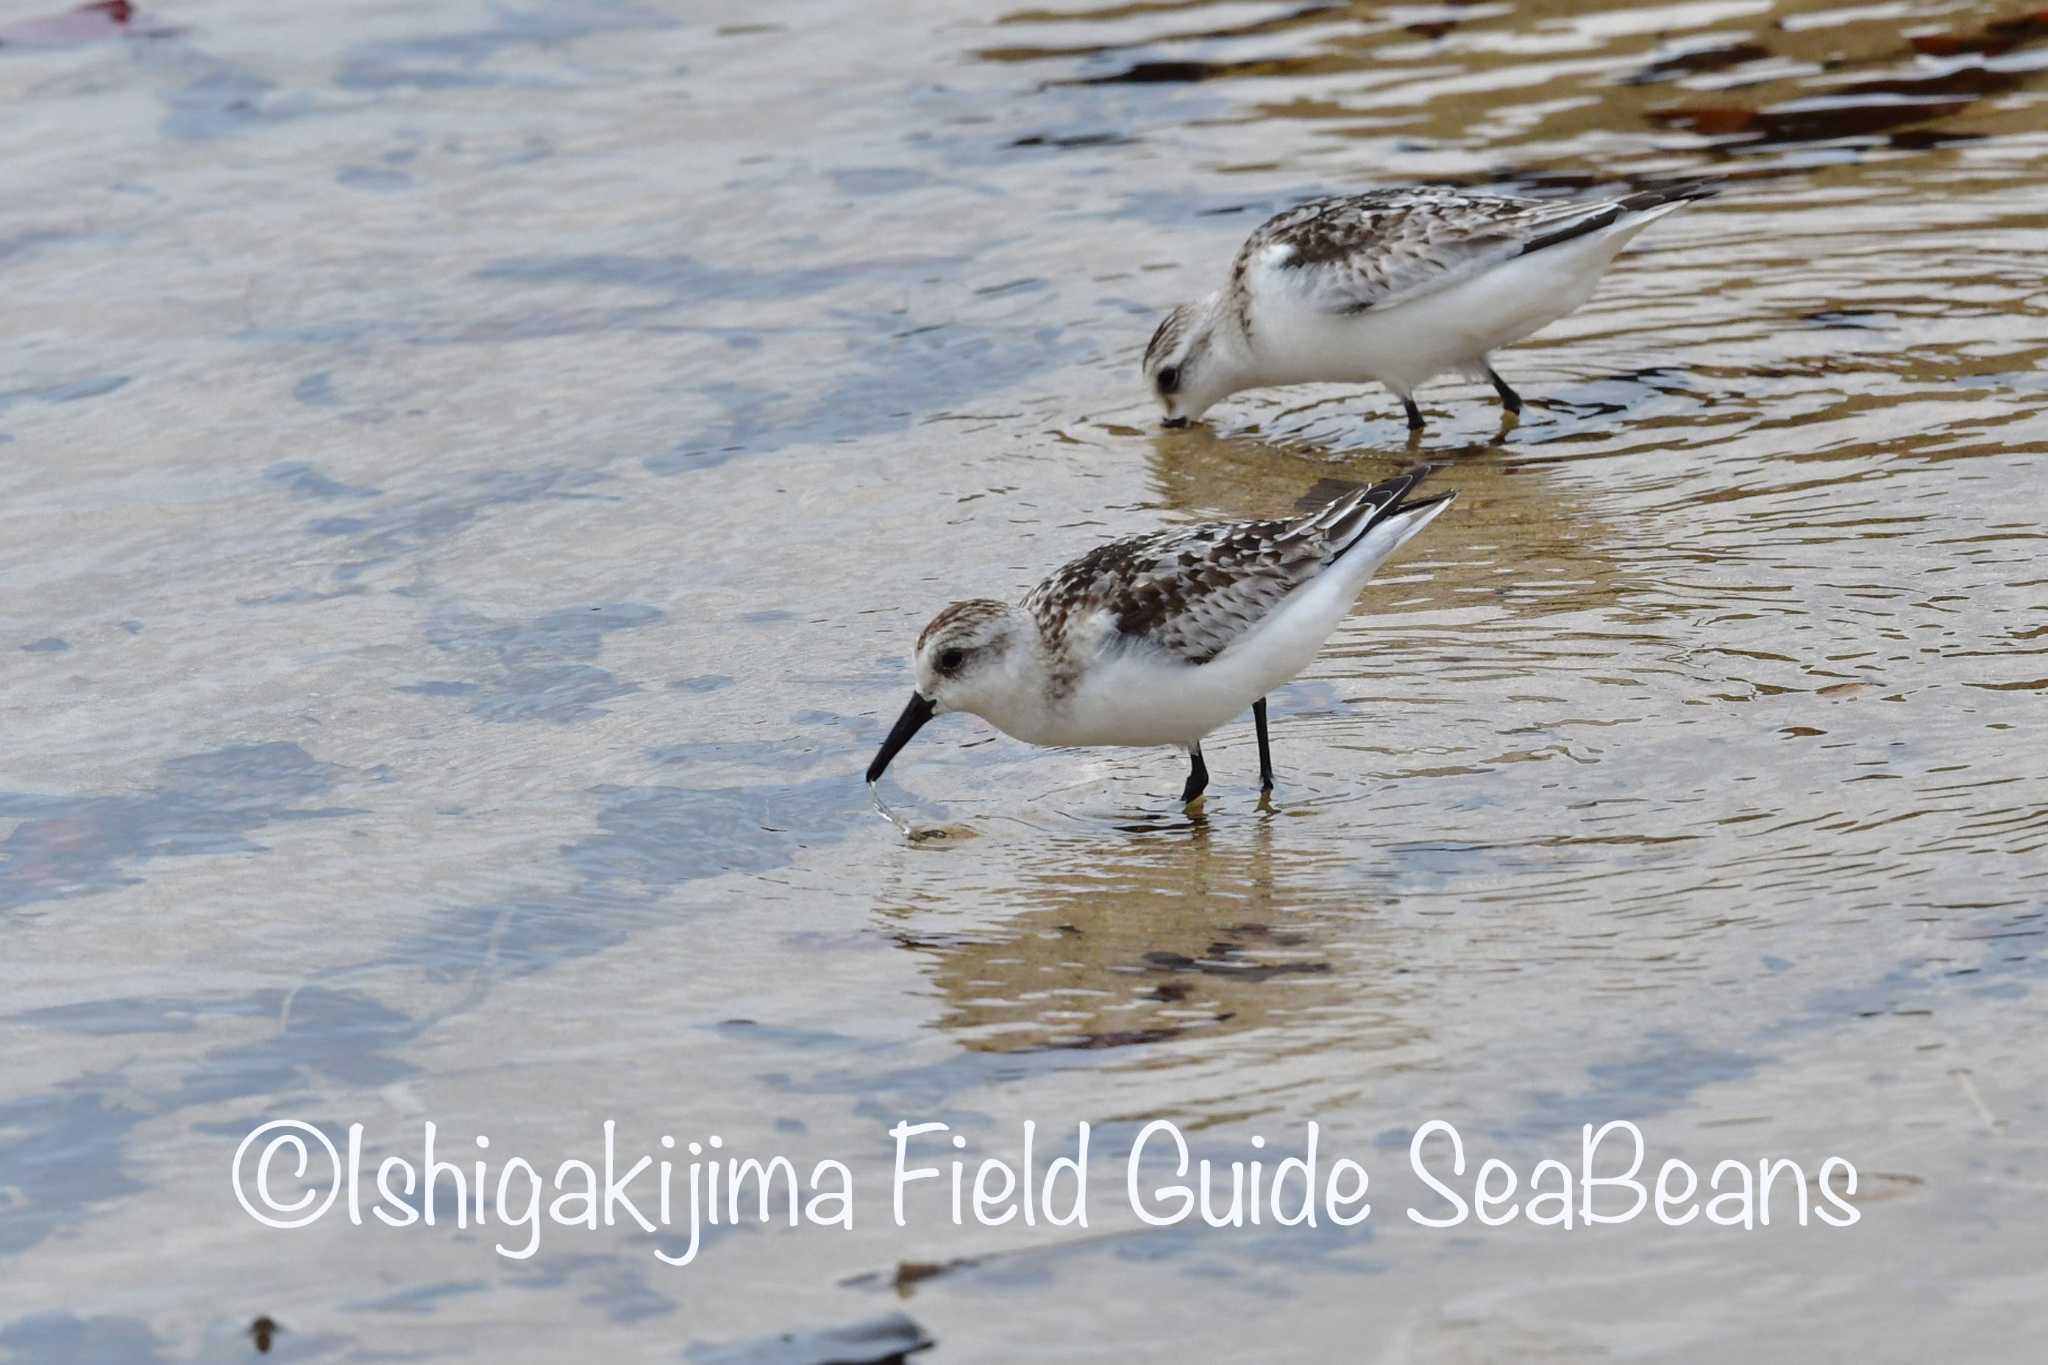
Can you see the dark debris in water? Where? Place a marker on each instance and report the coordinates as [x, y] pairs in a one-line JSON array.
[[1698, 61], [874, 1341], [1923, 139], [1111, 1038], [1074, 140], [1850, 319], [1227, 959], [262, 1332], [1189, 72]]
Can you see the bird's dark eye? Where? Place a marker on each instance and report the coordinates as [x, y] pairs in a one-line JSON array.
[[1169, 379], [951, 659]]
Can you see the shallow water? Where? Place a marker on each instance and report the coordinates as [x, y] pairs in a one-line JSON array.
[[469, 479]]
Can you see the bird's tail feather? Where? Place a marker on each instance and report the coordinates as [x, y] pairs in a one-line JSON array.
[[1676, 193], [1347, 518], [1659, 201]]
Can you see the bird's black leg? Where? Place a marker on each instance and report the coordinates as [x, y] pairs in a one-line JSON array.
[[1265, 748], [1415, 413], [1509, 399], [1198, 775]]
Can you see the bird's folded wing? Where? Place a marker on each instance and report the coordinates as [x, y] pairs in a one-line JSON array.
[[1187, 594], [1376, 250]]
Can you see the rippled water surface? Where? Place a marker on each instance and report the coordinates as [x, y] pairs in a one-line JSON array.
[[470, 476]]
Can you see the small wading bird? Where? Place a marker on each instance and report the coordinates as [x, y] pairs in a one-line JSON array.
[[1161, 638], [1397, 286]]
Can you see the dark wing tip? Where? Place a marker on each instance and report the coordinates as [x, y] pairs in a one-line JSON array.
[[1703, 188], [1373, 505], [1327, 492], [1432, 500], [1323, 492], [1404, 483], [1638, 202]]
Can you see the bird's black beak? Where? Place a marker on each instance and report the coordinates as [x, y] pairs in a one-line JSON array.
[[1173, 423], [909, 723]]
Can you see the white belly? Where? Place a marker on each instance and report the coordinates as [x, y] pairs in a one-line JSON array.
[[1142, 700], [1450, 330]]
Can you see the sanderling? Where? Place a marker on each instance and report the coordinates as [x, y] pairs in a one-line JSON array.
[[1396, 286], [1160, 638]]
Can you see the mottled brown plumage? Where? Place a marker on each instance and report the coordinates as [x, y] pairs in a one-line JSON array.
[[968, 613], [1377, 248], [1189, 592]]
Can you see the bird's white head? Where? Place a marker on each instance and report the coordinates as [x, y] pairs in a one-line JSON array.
[[967, 657], [974, 656], [1191, 362]]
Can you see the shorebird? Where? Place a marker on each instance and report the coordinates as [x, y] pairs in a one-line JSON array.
[[1397, 286], [1159, 639]]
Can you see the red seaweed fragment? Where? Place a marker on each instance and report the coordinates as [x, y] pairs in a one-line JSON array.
[[100, 22], [908, 1274]]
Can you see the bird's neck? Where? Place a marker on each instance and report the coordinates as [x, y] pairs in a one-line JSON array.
[[1024, 696], [1231, 347]]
